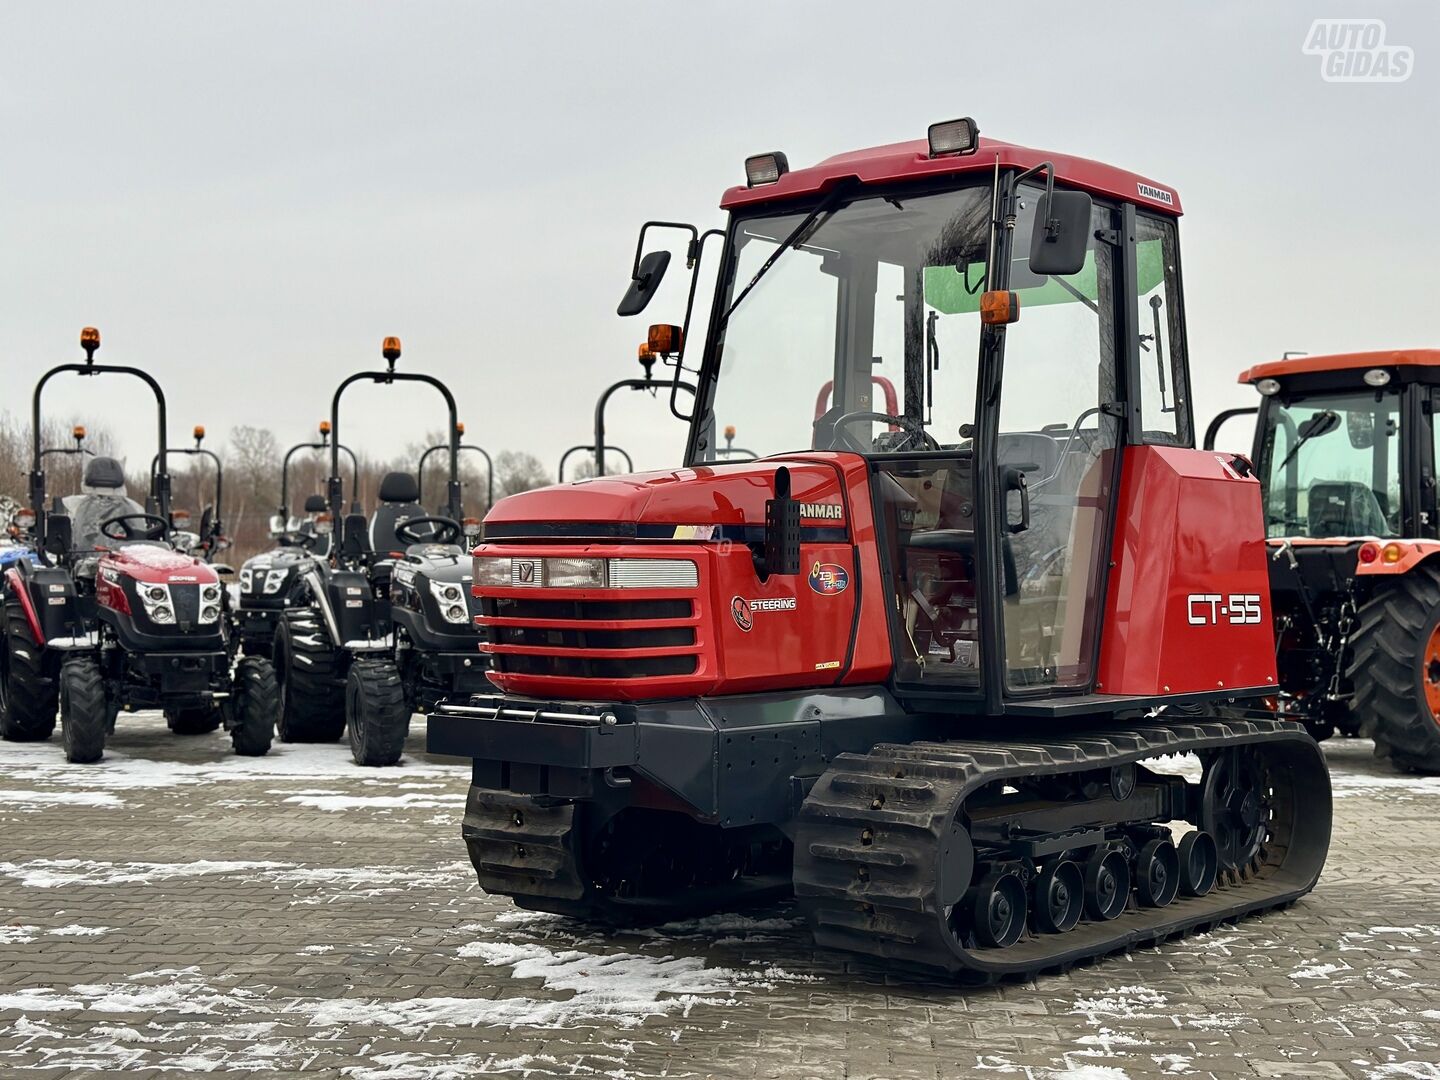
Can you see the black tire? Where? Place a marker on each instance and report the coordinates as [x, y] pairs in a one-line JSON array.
[[29, 690], [376, 711], [84, 712], [192, 720], [1394, 662], [308, 667], [252, 706]]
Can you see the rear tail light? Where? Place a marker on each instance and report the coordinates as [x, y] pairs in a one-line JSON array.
[[1369, 553]]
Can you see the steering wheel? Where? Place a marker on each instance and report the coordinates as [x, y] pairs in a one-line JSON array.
[[443, 531], [297, 539], [119, 527], [920, 437]]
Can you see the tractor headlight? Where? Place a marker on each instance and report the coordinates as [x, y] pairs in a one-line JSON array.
[[210, 594], [575, 573], [275, 581], [246, 577], [451, 600], [492, 570], [210, 613], [156, 601]]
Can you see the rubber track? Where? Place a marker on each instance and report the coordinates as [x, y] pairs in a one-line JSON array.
[[1386, 656], [526, 851], [889, 812]]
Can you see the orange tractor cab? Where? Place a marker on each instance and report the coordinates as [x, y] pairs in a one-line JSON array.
[[915, 661], [1345, 451]]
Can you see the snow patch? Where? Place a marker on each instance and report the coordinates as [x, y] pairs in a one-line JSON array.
[[410, 801], [29, 802]]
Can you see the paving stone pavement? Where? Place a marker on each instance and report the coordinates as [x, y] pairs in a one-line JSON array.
[[178, 911]]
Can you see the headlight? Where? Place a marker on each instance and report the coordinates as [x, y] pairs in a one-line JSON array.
[[575, 573], [156, 593], [451, 599], [210, 594], [209, 613], [162, 614], [492, 570], [156, 600], [274, 581], [245, 578]]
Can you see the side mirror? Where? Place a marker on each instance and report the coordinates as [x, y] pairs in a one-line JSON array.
[[1061, 233], [277, 525], [645, 283]]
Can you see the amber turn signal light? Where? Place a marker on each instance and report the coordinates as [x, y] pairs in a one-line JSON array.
[[199, 432], [997, 307], [89, 337], [664, 339], [729, 431], [390, 349], [459, 427], [78, 432], [324, 427]]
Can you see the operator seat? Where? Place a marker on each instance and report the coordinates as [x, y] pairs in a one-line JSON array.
[[1345, 508], [102, 496], [399, 502]]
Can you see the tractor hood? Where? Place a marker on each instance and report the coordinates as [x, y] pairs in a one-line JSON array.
[[158, 566], [655, 505]]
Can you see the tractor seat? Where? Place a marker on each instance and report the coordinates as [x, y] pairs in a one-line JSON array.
[[102, 497], [1345, 508], [399, 502]]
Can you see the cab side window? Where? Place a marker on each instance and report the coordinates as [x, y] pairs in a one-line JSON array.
[[1164, 394]]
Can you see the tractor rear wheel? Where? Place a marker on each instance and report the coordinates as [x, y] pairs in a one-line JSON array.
[[312, 696], [252, 706], [1395, 669], [192, 720], [84, 712], [376, 712], [29, 693]]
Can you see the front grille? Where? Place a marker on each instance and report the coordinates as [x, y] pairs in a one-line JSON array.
[[543, 632], [187, 603]]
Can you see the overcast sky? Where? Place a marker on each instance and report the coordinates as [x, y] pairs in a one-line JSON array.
[[246, 198]]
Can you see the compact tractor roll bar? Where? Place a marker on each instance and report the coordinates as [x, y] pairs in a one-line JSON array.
[[489, 469], [657, 346], [159, 479], [197, 450], [323, 444], [390, 349], [78, 434], [629, 463]]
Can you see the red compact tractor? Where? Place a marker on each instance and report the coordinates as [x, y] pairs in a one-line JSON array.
[[915, 663], [1345, 450], [109, 615]]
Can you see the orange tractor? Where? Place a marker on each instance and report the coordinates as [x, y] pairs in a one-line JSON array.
[[1345, 450]]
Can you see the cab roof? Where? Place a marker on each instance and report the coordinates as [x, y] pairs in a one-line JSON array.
[[898, 162], [1356, 361]]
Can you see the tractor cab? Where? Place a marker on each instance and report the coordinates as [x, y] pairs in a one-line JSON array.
[[1344, 448]]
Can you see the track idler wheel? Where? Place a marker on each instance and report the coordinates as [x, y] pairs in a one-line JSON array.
[[1107, 884], [1059, 897], [1199, 863], [1157, 873], [1234, 809], [998, 908]]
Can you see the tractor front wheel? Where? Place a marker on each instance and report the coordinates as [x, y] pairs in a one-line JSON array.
[[376, 712], [252, 706], [28, 690], [1395, 669], [84, 712], [312, 696]]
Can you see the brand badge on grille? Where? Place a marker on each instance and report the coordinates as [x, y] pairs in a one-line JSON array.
[[740, 612], [525, 572]]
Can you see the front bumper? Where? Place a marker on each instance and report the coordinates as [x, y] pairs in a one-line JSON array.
[[175, 674], [741, 760]]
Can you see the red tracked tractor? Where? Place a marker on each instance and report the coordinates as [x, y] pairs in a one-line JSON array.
[[914, 665], [1345, 453]]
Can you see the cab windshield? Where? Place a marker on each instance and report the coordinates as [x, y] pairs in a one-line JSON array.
[[1331, 465], [873, 308]]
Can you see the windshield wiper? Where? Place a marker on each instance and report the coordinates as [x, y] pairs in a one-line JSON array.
[[790, 241], [1322, 423]]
